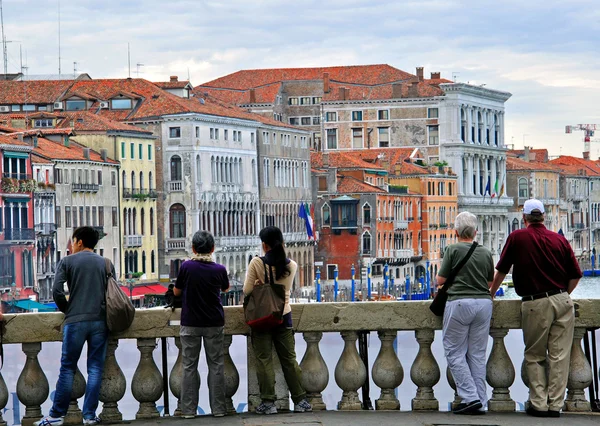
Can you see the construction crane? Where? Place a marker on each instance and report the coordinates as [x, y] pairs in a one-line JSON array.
[[589, 130]]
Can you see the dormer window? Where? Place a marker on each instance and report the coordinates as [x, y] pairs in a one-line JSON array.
[[121, 103], [43, 122], [76, 105]]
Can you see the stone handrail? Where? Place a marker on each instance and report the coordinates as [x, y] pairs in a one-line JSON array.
[[313, 319]]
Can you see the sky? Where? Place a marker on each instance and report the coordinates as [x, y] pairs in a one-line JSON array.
[[543, 52]]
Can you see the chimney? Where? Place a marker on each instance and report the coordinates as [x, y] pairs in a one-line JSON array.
[[436, 75], [526, 154], [326, 82], [413, 89], [86, 153], [20, 137], [252, 96], [103, 154], [174, 79], [35, 141], [342, 93], [396, 90], [586, 155], [420, 73], [325, 159]]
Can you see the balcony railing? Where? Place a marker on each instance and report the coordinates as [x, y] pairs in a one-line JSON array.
[[85, 187], [579, 225], [19, 176], [140, 194], [401, 224], [133, 241], [19, 234], [343, 321], [344, 224], [404, 253], [243, 241], [175, 186], [176, 244], [45, 228]]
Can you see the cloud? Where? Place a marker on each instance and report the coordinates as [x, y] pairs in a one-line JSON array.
[[543, 52]]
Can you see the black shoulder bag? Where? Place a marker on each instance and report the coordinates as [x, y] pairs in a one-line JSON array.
[[439, 301]]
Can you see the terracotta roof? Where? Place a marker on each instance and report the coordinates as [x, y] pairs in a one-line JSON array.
[[8, 129], [513, 163], [341, 160], [573, 165], [87, 121], [11, 140], [407, 168], [541, 154], [32, 92], [172, 84], [39, 160], [362, 92], [351, 185], [57, 151], [358, 74], [387, 158], [263, 95]]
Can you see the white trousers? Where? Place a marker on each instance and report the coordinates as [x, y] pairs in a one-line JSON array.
[[466, 332]]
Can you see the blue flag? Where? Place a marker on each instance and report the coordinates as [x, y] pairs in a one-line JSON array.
[[303, 214], [487, 188]]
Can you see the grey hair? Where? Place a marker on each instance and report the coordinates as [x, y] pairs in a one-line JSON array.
[[203, 242], [466, 225]]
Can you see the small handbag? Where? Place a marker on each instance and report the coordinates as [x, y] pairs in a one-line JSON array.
[[438, 304], [263, 308]]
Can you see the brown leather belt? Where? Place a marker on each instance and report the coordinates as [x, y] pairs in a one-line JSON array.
[[542, 295]]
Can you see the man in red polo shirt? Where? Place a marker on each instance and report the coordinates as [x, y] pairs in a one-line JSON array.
[[545, 272]]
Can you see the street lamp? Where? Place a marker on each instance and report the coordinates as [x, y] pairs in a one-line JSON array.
[[130, 280]]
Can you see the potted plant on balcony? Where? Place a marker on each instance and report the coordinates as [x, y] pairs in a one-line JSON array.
[[27, 185], [140, 197], [440, 165], [10, 185]]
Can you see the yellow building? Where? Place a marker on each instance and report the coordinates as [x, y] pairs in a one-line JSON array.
[[134, 149]]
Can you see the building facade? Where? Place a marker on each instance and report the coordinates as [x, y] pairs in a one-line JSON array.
[[17, 235]]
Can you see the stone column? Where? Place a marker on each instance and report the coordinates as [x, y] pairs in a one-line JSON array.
[[495, 175], [452, 383], [232, 377], [469, 124], [146, 385], [425, 372], [500, 373], [387, 372], [74, 416], [315, 374], [113, 386], [580, 376], [350, 373], [478, 188], [32, 385], [175, 378], [3, 398]]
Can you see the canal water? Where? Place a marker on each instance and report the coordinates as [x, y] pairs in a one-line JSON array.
[[331, 347]]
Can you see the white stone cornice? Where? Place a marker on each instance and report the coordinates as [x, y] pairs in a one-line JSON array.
[[476, 90]]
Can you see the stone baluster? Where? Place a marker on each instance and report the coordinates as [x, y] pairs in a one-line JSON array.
[[350, 373], [387, 372], [500, 373], [452, 383], [175, 378], [146, 384], [3, 397], [232, 376], [74, 416], [425, 373], [580, 376], [32, 385], [113, 385], [315, 374]]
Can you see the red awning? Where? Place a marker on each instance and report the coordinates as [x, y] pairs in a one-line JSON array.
[[141, 290]]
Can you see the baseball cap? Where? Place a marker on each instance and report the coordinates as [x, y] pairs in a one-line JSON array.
[[533, 206]]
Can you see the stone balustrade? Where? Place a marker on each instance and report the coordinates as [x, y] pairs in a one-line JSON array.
[[312, 320]]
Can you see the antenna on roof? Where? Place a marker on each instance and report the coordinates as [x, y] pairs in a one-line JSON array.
[[128, 61], [188, 73], [455, 74], [3, 41], [74, 70], [59, 58], [137, 69]]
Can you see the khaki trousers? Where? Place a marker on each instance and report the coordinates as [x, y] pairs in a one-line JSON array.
[[548, 335]]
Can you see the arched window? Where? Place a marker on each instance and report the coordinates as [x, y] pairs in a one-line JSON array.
[[133, 222], [523, 188], [177, 221], [326, 212], [150, 183], [141, 181], [152, 259], [124, 179], [135, 261], [515, 224], [253, 172], [176, 173], [151, 221], [144, 262], [366, 214], [366, 243], [142, 222], [133, 181], [198, 168]]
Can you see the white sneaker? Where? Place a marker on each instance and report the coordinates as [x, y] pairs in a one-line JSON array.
[[96, 420], [49, 421]]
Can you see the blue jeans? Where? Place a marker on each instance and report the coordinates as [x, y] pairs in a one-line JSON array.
[[95, 333]]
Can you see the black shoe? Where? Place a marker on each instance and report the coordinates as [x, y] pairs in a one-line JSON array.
[[467, 408], [552, 413], [536, 413]]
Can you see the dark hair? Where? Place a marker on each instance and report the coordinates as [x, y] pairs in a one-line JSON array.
[[272, 236], [87, 235], [534, 218], [203, 242]]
